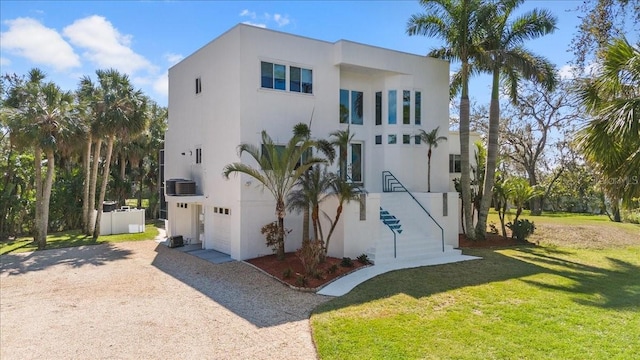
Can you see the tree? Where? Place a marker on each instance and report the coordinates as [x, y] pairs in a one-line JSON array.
[[459, 24], [121, 112], [527, 128], [345, 191], [611, 139], [432, 139], [341, 139], [504, 56], [39, 114], [278, 170]]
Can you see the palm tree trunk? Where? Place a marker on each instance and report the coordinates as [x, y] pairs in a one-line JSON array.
[[492, 157], [87, 180], [429, 170], [280, 212], [465, 177], [92, 186], [333, 227], [305, 224], [37, 156], [103, 187], [46, 197]]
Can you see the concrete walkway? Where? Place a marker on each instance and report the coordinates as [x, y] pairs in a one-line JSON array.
[[347, 283]]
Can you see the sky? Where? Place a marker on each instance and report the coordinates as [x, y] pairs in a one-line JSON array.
[[71, 39]]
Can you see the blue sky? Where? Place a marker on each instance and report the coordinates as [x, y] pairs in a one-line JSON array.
[[68, 39]]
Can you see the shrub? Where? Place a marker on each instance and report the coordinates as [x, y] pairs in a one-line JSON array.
[[364, 259], [521, 229], [346, 262], [309, 255], [333, 268], [270, 232], [493, 228], [287, 273], [301, 280]]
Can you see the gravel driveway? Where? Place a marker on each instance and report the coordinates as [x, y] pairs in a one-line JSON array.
[[142, 300]]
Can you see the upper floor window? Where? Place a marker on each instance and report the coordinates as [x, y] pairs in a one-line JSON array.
[[455, 165], [273, 76], [198, 85], [379, 108], [351, 105], [300, 80], [198, 155], [406, 107], [418, 108], [392, 107]]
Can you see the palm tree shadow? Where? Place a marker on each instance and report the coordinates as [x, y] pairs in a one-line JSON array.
[[75, 257]]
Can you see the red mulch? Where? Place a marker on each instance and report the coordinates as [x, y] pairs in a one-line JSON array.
[[275, 267], [491, 240]]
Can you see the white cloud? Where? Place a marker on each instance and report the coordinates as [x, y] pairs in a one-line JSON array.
[[28, 38], [161, 85], [255, 24], [248, 13], [567, 72], [105, 46], [4, 61], [172, 58], [281, 20]]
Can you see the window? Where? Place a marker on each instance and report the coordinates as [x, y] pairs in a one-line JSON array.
[[406, 139], [391, 139], [279, 150], [392, 107], [418, 140], [406, 107], [351, 105], [273, 76], [418, 108], [198, 85], [198, 155], [300, 80], [356, 162], [379, 108], [378, 139], [454, 163]]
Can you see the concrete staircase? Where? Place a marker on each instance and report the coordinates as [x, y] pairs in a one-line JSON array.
[[417, 237]]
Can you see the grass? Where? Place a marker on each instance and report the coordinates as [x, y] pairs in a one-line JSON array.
[[557, 301], [73, 238]]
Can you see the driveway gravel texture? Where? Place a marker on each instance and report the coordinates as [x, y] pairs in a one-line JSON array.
[[142, 300]]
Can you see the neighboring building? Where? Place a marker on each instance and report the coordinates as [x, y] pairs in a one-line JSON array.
[[252, 79]]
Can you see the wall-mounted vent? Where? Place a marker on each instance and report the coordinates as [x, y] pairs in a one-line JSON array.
[[185, 187]]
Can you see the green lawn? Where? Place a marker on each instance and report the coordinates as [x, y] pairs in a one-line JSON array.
[[74, 238], [554, 301]]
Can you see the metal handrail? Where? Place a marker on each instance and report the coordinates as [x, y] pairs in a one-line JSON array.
[[391, 184], [394, 238]]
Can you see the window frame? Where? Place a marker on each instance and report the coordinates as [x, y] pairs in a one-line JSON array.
[[455, 163], [406, 107]]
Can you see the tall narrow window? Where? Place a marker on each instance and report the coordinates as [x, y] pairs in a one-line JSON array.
[[455, 164], [418, 108], [272, 76], [198, 155], [379, 108], [344, 106], [307, 81], [356, 107], [356, 162], [392, 107], [406, 107], [198, 85], [294, 79]]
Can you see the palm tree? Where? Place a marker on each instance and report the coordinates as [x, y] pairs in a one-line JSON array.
[[312, 190], [504, 56], [278, 170], [341, 139], [39, 113], [432, 139], [345, 191], [120, 111], [458, 23], [612, 138]]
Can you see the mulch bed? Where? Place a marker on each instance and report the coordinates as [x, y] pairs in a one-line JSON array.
[[277, 268], [491, 240]]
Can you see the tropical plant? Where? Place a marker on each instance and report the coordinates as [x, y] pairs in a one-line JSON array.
[[432, 140], [504, 56], [460, 24], [38, 117], [611, 139], [278, 170], [345, 191], [341, 139]]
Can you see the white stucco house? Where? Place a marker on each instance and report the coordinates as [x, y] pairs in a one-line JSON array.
[[251, 79]]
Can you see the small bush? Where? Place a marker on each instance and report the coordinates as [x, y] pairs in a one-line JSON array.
[[270, 232], [493, 228], [521, 229], [333, 268], [364, 259], [301, 280], [631, 216], [287, 273], [309, 255], [346, 262]]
